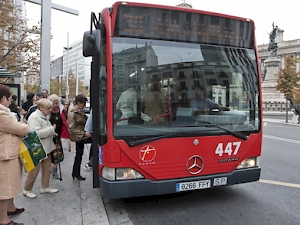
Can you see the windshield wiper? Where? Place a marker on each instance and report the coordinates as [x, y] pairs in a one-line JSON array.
[[177, 134], [233, 133], [138, 142]]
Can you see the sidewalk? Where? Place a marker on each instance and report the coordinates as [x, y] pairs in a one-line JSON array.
[[281, 121], [76, 203]]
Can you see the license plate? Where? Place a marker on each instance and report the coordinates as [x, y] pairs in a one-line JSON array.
[[220, 181], [186, 186]]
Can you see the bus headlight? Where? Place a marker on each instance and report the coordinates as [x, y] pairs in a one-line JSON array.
[[248, 163], [120, 174]]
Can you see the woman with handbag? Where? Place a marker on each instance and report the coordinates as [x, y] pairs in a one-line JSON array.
[[39, 122], [55, 119], [10, 167], [76, 121]]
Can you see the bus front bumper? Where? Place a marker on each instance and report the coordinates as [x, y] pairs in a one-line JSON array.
[[145, 187]]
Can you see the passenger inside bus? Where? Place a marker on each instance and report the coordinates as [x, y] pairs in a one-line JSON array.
[[155, 103], [201, 104], [127, 104], [235, 103]]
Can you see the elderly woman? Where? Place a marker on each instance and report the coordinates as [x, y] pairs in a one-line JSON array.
[[39, 122], [10, 168], [55, 119]]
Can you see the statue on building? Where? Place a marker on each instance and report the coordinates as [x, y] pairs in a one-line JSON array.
[[184, 4], [273, 45]]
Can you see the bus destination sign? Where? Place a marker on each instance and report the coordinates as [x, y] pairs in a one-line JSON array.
[[175, 25]]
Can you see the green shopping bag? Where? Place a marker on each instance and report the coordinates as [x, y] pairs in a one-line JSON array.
[[31, 151]]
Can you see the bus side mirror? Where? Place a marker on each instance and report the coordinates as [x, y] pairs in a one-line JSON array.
[[91, 43]]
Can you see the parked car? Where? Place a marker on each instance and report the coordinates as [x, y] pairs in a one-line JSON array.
[[87, 107]]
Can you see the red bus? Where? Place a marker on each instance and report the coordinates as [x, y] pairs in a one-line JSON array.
[[176, 99]]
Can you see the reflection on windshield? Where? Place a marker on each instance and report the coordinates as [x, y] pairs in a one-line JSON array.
[[159, 85]]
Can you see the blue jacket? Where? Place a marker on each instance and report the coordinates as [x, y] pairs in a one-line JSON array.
[[89, 124]]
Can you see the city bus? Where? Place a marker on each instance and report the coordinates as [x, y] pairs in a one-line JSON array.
[[151, 136]]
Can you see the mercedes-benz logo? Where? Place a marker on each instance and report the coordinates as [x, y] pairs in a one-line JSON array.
[[195, 164]]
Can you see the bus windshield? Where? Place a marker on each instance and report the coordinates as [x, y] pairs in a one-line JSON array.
[[167, 88]]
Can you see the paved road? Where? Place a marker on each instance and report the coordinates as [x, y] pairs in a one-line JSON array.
[[77, 203], [274, 200]]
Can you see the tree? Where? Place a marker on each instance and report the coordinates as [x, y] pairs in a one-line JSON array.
[[55, 86], [287, 78], [19, 44], [34, 88], [72, 84], [60, 88]]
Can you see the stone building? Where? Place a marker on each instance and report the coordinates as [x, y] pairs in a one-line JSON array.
[[273, 100]]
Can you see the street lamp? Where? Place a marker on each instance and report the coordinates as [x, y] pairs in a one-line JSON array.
[[67, 75]]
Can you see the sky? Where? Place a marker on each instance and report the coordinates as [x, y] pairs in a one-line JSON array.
[[263, 13]]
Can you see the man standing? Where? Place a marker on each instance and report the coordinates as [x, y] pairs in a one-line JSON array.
[[46, 93], [37, 97]]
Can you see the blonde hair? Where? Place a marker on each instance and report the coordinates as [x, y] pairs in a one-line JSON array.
[[44, 103]]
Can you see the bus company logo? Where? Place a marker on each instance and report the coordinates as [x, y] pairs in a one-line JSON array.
[[147, 153], [195, 164]]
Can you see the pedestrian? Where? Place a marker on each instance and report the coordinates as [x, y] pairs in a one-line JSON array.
[[297, 113], [76, 121], [14, 107], [65, 136], [10, 167], [295, 109], [89, 128], [39, 122], [46, 93], [55, 119], [27, 104], [37, 97]]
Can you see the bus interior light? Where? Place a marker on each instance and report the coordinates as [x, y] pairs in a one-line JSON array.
[[248, 163], [127, 174]]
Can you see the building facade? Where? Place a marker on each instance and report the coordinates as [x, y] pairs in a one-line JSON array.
[[79, 65], [56, 68]]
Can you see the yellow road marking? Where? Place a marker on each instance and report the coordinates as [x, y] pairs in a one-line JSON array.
[[279, 183]]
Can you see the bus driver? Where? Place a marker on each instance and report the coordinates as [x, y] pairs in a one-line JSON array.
[[202, 104]]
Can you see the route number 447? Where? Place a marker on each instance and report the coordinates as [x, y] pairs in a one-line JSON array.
[[232, 148]]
